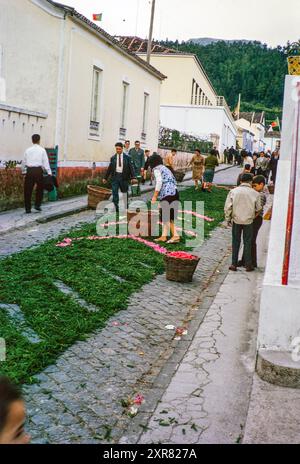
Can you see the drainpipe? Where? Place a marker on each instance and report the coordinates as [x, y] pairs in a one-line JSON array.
[[60, 105]]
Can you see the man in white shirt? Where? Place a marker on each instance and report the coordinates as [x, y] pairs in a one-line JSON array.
[[35, 161]]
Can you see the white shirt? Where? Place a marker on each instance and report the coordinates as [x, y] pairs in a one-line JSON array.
[[36, 156], [119, 168], [242, 204], [158, 179], [249, 160]]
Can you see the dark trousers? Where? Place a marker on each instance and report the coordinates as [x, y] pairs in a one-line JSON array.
[[257, 223], [34, 176], [237, 231], [118, 183]]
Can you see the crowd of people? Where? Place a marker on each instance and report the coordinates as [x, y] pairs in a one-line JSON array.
[[261, 163]]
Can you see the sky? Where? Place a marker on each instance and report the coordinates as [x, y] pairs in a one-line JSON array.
[[270, 21]]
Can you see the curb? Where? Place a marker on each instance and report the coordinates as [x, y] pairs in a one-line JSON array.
[[59, 215]]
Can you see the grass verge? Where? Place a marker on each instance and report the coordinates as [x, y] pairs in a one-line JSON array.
[[27, 280]]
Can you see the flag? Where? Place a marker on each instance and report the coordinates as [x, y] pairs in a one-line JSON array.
[[275, 123], [97, 17], [236, 112]]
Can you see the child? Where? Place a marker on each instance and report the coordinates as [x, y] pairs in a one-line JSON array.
[[246, 170], [258, 184], [12, 415]]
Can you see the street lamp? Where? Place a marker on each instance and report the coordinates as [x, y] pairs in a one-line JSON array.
[[150, 32]]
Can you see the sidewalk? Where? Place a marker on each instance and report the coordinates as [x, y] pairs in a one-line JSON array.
[[207, 400], [17, 219]]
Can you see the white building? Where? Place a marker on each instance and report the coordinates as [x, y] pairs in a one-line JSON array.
[[210, 120], [272, 140], [67, 79], [252, 129], [189, 102]]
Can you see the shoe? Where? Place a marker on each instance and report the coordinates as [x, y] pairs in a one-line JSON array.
[[38, 208], [233, 268], [250, 269], [28, 211], [161, 239], [240, 264], [172, 241]]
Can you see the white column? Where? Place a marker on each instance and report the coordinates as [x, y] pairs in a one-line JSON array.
[[280, 304]]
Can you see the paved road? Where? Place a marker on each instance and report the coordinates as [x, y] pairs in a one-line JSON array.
[[79, 398], [228, 177], [207, 400]]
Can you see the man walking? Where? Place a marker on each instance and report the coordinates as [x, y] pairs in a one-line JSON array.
[[126, 147], [137, 156], [262, 164], [242, 205], [121, 172], [226, 156], [258, 185], [231, 155], [34, 162]]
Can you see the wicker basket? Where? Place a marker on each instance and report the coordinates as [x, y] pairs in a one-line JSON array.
[[147, 218], [179, 175], [180, 270], [97, 194]]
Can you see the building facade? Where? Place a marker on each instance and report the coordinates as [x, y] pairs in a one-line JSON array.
[[252, 129], [272, 140], [189, 102], [73, 83]]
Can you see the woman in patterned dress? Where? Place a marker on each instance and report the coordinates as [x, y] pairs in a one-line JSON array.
[[197, 163], [167, 194]]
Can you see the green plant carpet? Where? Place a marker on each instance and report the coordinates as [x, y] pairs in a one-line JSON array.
[[88, 267]]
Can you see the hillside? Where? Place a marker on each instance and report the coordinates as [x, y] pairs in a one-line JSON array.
[[204, 41], [252, 69]]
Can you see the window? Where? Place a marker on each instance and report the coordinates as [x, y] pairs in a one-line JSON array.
[[124, 109], [95, 106], [145, 116], [193, 91]]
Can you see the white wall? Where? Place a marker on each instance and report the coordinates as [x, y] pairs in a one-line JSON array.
[[46, 70], [280, 315], [181, 70], [29, 40], [271, 142], [201, 121]]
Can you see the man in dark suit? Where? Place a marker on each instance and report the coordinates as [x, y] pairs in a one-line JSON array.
[[121, 172], [137, 156]]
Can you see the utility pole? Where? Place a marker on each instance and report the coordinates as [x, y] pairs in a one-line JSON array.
[[151, 32]]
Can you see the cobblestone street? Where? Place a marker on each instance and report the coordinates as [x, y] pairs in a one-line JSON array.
[[81, 398]]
